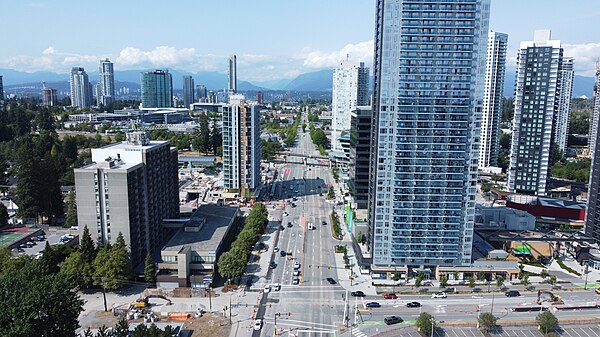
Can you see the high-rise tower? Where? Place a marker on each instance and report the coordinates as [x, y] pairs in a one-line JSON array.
[[563, 109], [1, 94], [188, 91], [593, 130], [537, 108], [106, 91], [592, 216], [232, 75], [350, 89], [157, 89], [81, 89], [492, 99], [429, 66]]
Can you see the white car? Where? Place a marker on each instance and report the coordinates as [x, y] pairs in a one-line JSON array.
[[439, 295], [296, 273], [258, 324], [296, 265], [285, 214], [267, 288], [276, 249]]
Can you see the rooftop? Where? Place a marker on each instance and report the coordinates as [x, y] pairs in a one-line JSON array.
[[212, 221]]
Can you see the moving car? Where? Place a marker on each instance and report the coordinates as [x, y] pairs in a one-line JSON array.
[[289, 224], [373, 305], [282, 253], [331, 280], [512, 293], [324, 223], [439, 295], [276, 249], [390, 296], [272, 265], [285, 214], [296, 265], [296, 280], [267, 288], [258, 323], [413, 305], [392, 320], [296, 273], [357, 293]]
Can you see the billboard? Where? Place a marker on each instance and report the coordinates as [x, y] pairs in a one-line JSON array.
[[522, 249]]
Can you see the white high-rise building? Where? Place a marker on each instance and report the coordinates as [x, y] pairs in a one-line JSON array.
[[538, 95], [350, 89], [81, 89], [241, 145], [563, 110], [492, 99], [427, 98], [106, 91]]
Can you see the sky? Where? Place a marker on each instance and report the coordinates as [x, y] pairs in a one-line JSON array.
[[273, 39]]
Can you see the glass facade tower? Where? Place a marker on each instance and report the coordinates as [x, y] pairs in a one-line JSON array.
[[429, 66], [157, 89]]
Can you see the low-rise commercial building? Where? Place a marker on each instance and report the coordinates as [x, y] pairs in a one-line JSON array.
[[189, 258]]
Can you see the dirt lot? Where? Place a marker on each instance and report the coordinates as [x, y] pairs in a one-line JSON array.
[[209, 325]]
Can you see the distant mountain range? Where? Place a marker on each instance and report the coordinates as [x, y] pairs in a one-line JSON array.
[[321, 80]]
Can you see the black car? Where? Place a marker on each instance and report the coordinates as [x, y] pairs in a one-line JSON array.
[[357, 293], [324, 223], [282, 253], [413, 304], [331, 280], [392, 320], [273, 265], [512, 293], [289, 224], [281, 228]]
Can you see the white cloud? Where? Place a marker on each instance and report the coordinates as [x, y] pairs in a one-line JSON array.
[[362, 51], [585, 56], [159, 56]]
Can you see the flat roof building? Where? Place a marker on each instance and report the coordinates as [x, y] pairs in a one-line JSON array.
[[190, 257]]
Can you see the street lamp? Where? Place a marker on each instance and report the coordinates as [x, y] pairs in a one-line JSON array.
[[586, 274]]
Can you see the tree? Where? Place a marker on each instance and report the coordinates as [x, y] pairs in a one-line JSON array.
[[231, 266], [112, 265], [486, 321], [419, 279], [499, 281], [3, 216], [552, 279], [216, 138], [330, 194], [35, 303], [480, 276], [547, 321], [76, 270], [443, 281], [544, 273], [525, 280], [303, 127], [28, 191], [471, 282], [122, 328], [86, 246], [71, 218], [425, 323], [149, 270]]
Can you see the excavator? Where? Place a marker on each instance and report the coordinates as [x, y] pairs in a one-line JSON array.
[[552, 299], [143, 302]]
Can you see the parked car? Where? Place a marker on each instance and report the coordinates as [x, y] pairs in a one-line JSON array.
[[296, 265], [413, 305], [289, 224], [357, 293], [390, 296], [439, 295], [258, 323], [272, 265], [373, 305], [295, 280], [392, 320], [276, 249], [282, 253], [267, 288], [296, 272], [324, 223], [530, 288], [512, 293], [277, 287], [331, 280]]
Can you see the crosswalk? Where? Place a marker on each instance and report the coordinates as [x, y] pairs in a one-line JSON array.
[[357, 333]]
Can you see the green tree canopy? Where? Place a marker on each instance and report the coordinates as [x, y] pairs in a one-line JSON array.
[[547, 321], [425, 322], [149, 270], [86, 246], [487, 321]]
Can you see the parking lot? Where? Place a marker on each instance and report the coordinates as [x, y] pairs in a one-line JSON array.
[[568, 331], [53, 237]]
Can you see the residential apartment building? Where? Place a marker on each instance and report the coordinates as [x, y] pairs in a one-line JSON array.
[[1, 94], [429, 67], [593, 130], [360, 145], [241, 145], [157, 89], [106, 90], [563, 109], [129, 188], [232, 75], [49, 97], [188, 91], [350, 89], [81, 89], [592, 217], [491, 115], [537, 106]]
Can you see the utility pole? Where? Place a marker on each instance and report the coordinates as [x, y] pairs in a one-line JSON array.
[[230, 309], [209, 300], [586, 274], [104, 295]]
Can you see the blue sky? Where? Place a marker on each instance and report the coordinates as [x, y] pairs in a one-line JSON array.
[[273, 38]]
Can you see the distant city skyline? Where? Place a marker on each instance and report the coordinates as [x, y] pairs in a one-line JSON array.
[[285, 48]]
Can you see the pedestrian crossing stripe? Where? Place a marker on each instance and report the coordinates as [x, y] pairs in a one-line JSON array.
[[358, 333]]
